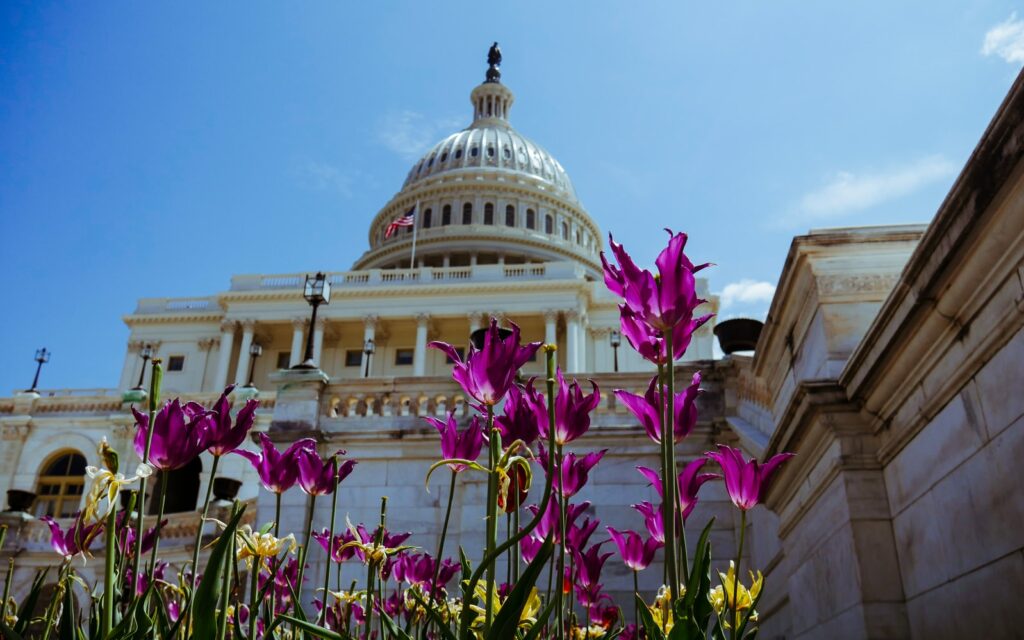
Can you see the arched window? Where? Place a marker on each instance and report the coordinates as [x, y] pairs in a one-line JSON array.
[[489, 213], [510, 216], [427, 215], [549, 224], [531, 222], [446, 215], [467, 213], [60, 485], [579, 238], [565, 231]]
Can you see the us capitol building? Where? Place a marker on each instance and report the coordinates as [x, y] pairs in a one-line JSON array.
[[890, 362]]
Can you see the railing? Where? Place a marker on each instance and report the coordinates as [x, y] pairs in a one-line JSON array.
[[422, 275], [67, 393], [176, 305]]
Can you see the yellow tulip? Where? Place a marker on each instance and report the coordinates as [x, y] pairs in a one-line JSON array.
[[722, 596]]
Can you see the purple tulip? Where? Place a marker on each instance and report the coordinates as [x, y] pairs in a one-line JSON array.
[[529, 547], [690, 481], [636, 552], [745, 481], [650, 342], [487, 374], [571, 473], [661, 301], [523, 415], [222, 436], [588, 572], [577, 536], [652, 520], [277, 471], [77, 539], [126, 535], [179, 434], [455, 445], [548, 525], [337, 553], [318, 477], [648, 409], [572, 410], [419, 569]]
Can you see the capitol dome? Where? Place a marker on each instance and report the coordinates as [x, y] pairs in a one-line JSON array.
[[484, 195]]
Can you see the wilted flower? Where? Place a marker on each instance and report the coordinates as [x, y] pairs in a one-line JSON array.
[[690, 481], [459, 446], [179, 434], [635, 551], [254, 544], [223, 437], [372, 552], [76, 539], [722, 596], [107, 484], [277, 471], [745, 480], [487, 374], [338, 554], [572, 409], [648, 409]]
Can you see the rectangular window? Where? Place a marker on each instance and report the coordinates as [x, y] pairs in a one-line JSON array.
[[176, 363], [403, 357], [284, 358], [353, 358]]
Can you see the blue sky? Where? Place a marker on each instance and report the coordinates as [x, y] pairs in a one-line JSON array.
[[155, 150]]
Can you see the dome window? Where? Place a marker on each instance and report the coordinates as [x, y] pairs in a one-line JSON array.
[[467, 213], [444, 156], [510, 216], [430, 162], [458, 153], [507, 153], [549, 224], [489, 213], [579, 238], [475, 151], [427, 215], [531, 222], [565, 231], [490, 152], [446, 215]]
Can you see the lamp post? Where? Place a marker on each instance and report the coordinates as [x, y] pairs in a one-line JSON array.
[[368, 348], [255, 351], [615, 339], [146, 354], [317, 291], [42, 357]]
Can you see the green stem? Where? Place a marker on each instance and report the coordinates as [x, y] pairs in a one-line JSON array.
[[254, 587], [636, 604], [492, 517], [277, 534], [305, 551], [330, 547], [671, 480], [440, 542], [159, 518], [225, 597], [516, 562], [51, 609], [108, 574], [560, 571], [156, 377], [199, 541], [736, 575]]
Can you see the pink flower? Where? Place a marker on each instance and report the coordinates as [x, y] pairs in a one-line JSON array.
[[318, 477], [635, 551], [487, 374], [690, 481], [652, 520], [524, 413], [572, 409], [455, 445], [648, 409], [222, 436], [179, 434], [571, 472], [277, 471], [650, 342], [745, 480], [77, 539]]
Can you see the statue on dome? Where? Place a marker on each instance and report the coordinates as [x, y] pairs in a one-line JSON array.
[[494, 62]]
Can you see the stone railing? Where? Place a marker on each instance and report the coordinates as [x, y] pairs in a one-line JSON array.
[[421, 275], [177, 305], [52, 401]]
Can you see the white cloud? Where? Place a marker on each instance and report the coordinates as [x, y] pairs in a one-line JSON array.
[[320, 176], [745, 292], [847, 191], [409, 133], [1006, 40]]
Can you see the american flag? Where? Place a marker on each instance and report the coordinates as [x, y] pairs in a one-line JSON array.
[[405, 220]]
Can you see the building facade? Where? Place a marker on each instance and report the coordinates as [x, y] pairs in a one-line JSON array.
[[890, 362]]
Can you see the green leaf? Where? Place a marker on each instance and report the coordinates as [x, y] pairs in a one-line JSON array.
[[507, 621], [7, 632], [393, 628], [435, 616], [28, 605], [204, 626], [542, 620], [66, 627], [651, 628], [311, 628]]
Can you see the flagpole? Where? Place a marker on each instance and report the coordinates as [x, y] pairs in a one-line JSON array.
[[415, 217]]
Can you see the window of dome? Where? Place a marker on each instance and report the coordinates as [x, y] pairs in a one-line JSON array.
[[430, 162], [565, 231], [467, 213], [427, 215], [60, 485], [579, 238], [444, 156], [522, 154], [458, 153], [549, 224], [490, 152], [510, 216], [475, 151], [507, 153], [531, 222], [446, 215], [489, 213]]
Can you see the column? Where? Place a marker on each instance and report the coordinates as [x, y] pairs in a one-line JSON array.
[[446, 261], [318, 340], [298, 329], [419, 359], [227, 343], [242, 371], [472, 259], [132, 362], [205, 345], [369, 333], [474, 321], [550, 326], [572, 341], [583, 337]]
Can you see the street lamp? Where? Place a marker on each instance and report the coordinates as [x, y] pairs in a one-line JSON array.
[[615, 339], [317, 291], [255, 351], [368, 349], [146, 353], [42, 357]]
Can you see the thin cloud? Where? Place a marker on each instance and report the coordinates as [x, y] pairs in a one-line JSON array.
[[320, 176], [846, 191], [746, 292], [410, 133], [1006, 40]]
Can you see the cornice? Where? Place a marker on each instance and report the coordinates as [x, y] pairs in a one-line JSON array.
[[171, 317], [415, 289]]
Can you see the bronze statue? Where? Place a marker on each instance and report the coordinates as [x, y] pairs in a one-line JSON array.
[[494, 63]]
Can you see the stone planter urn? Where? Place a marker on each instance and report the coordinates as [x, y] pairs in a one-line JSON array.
[[226, 489], [738, 334], [20, 500]]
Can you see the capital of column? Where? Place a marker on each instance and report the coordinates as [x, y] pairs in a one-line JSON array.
[[228, 326], [321, 323], [551, 315], [205, 344], [371, 321], [422, 319], [571, 314], [299, 324], [248, 324]]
